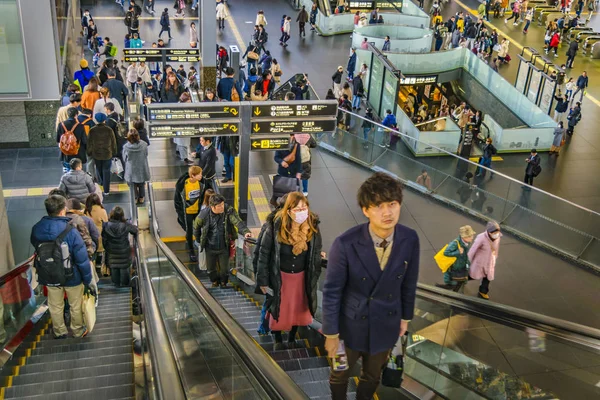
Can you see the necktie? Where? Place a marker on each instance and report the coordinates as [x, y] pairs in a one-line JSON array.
[[383, 244]]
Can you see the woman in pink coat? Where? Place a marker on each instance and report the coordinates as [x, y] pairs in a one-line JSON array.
[[483, 255]]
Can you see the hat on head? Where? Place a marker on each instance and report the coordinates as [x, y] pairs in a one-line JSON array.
[[466, 231], [100, 117], [83, 63], [340, 67], [492, 227], [533, 150]]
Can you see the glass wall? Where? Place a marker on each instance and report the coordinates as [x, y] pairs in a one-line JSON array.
[[403, 38], [13, 72], [377, 71], [69, 39], [390, 88]]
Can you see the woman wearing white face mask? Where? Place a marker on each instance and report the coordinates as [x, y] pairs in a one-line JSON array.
[[483, 255], [289, 263]]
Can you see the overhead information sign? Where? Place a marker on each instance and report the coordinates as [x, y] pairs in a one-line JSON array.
[[155, 55], [294, 110], [268, 144], [192, 112], [189, 130], [418, 80], [289, 127]]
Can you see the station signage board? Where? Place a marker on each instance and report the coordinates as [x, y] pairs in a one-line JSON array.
[[193, 112], [156, 55], [418, 79], [194, 129], [294, 110], [268, 143], [282, 127]]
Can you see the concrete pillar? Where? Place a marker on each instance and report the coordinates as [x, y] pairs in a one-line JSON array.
[[207, 21], [7, 260]]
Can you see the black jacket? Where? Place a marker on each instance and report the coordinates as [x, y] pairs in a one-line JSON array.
[[112, 121], [171, 95], [358, 86], [229, 144], [269, 268], [337, 77], [102, 144], [573, 47], [179, 198], [117, 89], [81, 138], [534, 162], [115, 238], [561, 104], [207, 160], [206, 229]]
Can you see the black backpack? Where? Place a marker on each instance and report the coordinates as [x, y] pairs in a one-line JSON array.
[[53, 266]]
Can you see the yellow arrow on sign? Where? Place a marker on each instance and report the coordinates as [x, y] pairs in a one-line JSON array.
[[234, 111], [233, 128], [255, 144], [257, 111], [256, 128]]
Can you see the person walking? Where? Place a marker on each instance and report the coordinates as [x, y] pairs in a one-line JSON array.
[[77, 183], [528, 18], [390, 122], [115, 236], [302, 19], [221, 14], [559, 139], [56, 227], [189, 192], [370, 286], [306, 159], [289, 161], [102, 147], [533, 167], [458, 273], [289, 264], [216, 228], [483, 255], [489, 150], [337, 82], [261, 19], [351, 64], [286, 30], [313, 17], [516, 11], [180, 7], [137, 171], [367, 125], [358, 90], [582, 84], [165, 25]]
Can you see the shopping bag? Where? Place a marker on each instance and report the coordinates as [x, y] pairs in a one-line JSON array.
[[89, 311], [253, 55], [497, 48], [393, 373], [202, 261], [283, 185], [116, 167], [442, 261]]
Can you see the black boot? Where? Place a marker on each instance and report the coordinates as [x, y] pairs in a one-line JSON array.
[[338, 391]]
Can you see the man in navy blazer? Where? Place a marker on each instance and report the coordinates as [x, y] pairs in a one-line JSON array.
[[370, 286]]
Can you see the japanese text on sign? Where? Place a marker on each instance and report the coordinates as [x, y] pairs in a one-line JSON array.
[[417, 80]]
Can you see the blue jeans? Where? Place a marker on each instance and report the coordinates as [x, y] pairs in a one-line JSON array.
[[355, 101], [366, 131], [305, 185], [486, 162], [527, 25], [228, 163], [195, 4]]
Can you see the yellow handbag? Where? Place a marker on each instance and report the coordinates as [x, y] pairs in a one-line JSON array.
[[444, 262]]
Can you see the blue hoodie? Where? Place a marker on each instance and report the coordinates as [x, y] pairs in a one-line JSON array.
[[48, 229], [83, 76], [249, 82], [224, 88], [389, 121]]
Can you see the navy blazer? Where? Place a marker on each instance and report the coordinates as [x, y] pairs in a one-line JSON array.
[[362, 303]]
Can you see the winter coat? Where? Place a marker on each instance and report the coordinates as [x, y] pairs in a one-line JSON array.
[[261, 20], [115, 236], [269, 268], [88, 231], [559, 134], [48, 229], [482, 256], [303, 17], [102, 144], [225, 87], [98, 216], [533, 162], [337, 77], [164, 20], [179, 198], [221, 13], [503, 49], [574, 116], [77, 184], [89, 99], [561, 104], [172, 94], [358, 86], [135, 156], [582, 82], [83, 76], [203, 226], [462, 260], [193, 35], [99, 106], [294, 167], [270, 87], [351, 63], [207, 159], [81, 138], [555, 40], [573, 47]]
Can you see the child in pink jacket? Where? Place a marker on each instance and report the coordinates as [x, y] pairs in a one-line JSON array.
[[483, 255]]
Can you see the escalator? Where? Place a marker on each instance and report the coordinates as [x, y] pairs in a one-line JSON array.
[[459, 347], [279, 93]]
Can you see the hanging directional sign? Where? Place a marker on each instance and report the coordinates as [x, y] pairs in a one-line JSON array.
[[294, 110], [163, 112], [268, 144], [289, 127], [156, 54], [191, 129]]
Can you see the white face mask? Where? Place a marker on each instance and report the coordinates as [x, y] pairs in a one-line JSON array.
[[495, 235], [301, 216]]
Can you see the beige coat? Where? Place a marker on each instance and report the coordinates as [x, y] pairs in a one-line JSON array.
[[503, 49], [261, 20], [99, 216], [274, 68]]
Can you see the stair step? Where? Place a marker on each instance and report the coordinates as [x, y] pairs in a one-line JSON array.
[[105, 393], [63, 375], [304, 363], [78, 363], [48, 358], [63, 386], [294, 354], [49, 341], [99, 331], [79, 345]]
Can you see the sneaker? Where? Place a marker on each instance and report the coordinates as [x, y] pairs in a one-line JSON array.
[[515, 24], [215, 284], [105, 194], [305, 194], [505, 20], [484, 296], [61, 336], [556, 55], [84, 334], [188, 162]]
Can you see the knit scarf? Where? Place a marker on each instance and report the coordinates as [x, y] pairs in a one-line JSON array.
[[298, 237]]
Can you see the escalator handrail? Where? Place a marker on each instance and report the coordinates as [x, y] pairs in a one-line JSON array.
[[22, 267], [164, 367], [271, 377], [571, 331]]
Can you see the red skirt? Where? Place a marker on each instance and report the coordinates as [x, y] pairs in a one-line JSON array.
[[293, 308]]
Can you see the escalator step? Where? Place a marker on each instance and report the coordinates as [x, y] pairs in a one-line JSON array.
[[62, 386], [81, 345], [48, 358], [78, 363], [90, 338], [315, 389], [304, 363], [268, 347], [293, 354], [63, 375], [100, 331], [105, 393]]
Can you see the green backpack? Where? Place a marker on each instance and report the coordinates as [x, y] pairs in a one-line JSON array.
[[113, 51]]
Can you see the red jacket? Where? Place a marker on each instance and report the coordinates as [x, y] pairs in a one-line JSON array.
[[555, 40]]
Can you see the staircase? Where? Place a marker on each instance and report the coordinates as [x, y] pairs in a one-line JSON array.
[[99, 366]]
